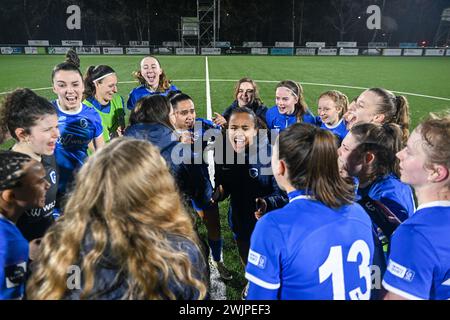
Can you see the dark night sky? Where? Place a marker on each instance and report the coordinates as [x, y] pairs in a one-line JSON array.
[[251, 20]]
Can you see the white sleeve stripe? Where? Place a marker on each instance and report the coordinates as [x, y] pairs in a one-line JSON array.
[[400, 292], [261, 283]]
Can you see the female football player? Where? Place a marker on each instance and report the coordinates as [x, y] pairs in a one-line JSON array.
[[419, 261], [290, 107], [152, 80], [379, 105], [332, 106], [22, 186], [32, 121], [246, 94], [320, 245], [78, 124], [125, 229], [100, 92]]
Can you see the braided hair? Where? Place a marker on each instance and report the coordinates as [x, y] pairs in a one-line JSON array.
[[11, 168]]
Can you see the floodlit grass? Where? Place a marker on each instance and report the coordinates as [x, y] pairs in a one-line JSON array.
[[421, 76]]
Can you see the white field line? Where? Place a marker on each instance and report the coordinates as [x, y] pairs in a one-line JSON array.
[[209, 117], [218, 288], [276, 81]]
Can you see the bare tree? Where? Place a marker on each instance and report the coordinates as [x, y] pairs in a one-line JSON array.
[[345, 18]]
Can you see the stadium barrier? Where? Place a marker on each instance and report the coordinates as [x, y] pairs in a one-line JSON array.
[[106, 47]]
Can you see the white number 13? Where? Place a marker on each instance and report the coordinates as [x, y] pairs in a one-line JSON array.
[[334, 267]]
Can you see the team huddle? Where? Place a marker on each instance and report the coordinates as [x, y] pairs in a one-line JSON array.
[[347, 204]]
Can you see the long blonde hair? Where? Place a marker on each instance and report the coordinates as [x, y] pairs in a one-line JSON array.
[[126, 199]]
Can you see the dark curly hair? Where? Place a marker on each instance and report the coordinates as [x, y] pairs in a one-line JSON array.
[[22, 109]]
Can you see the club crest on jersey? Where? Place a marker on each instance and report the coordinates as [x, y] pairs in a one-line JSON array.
[[83, 123], [15, 275], [53, 176], [253, 172]]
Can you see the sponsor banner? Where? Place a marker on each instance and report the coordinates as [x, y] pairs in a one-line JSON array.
[[372, 52], [31, 50], [413, 52], [106, 42], [162, 50], [392, 52], [434, 52], [315, 44], [282, 51], [260, 51], [448, 53], [305, 51], [327, 52], [348, 52], [186, 51], [6, 50], [211, 51], [139, 43], [236, 51], [57, 50], [137, 50], [38, 43], [112, 50], [404, 45], [221, 44], [175, 44], [72, 43], [88, 50], [250, 44], [343, 44], [377, 45], [284, 44]]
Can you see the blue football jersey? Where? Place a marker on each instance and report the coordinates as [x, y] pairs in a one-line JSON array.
[[307, 250], [276, 120], [137, 93], [13, 260], [419, 261], [393, 193], [339, 129], [77, 131]]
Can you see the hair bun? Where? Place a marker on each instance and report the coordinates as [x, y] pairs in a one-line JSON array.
[[72, 57]]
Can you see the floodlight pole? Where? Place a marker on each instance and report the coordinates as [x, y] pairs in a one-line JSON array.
[[218, 19], [214, 25], [293, 22], [148, 22]]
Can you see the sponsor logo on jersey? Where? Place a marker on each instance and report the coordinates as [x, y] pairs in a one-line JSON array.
[[43, 212], [257, 259], [62, 118], [400, 271]]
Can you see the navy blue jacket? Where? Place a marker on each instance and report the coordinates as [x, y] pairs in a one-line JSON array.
[[190, 178], [246, 182]]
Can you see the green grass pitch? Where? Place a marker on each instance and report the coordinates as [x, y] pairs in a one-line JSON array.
[[426, 81]]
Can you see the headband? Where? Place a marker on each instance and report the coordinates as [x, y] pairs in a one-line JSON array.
[[104, 76]]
